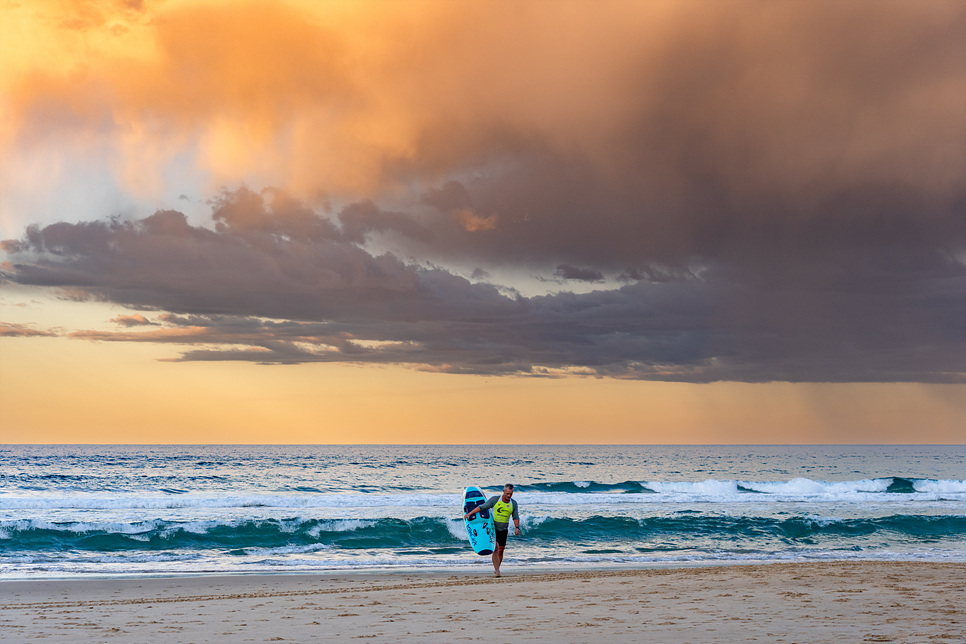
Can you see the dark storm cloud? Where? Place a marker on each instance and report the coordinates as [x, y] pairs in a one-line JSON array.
[[567, 272], [251, 264], [753, 133], [270, 295], [451, 196], [361, 219], [269, 212]]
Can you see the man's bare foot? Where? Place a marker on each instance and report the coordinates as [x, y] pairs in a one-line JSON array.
[[497, 573]]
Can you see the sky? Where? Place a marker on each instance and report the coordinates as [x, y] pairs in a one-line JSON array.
[[235, 221]]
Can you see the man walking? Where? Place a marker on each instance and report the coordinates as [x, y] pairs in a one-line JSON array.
[[504, 507]]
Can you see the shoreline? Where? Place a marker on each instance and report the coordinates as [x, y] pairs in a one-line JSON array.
[[463, 569], [482, 565], [811, 601]]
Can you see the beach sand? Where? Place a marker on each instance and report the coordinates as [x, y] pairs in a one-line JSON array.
[[794, 602]]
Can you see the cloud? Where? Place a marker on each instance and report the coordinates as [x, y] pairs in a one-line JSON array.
[[252, 263], [275, 294], [10, 330], [360, 220], [777, 187], [474, 223], [676, 123], [133, 320], [566, 272]]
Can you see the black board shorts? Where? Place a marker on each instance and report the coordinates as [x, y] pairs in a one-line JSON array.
[[501, 536]]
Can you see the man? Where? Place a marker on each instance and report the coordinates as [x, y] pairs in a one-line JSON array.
[[504, 507]]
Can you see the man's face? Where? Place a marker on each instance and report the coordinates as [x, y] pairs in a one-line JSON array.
[[507, 493]]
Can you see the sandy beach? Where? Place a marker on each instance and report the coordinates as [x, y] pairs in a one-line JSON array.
[[799, 602]]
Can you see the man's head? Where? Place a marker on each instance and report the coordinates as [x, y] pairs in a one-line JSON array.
[[507, 492]]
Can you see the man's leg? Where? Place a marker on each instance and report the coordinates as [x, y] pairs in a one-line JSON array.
[[497, 559], [500, 544]]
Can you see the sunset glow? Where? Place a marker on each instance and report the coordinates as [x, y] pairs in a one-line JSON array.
[[371, 222]]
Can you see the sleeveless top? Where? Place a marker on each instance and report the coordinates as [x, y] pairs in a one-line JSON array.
[[502, 511]]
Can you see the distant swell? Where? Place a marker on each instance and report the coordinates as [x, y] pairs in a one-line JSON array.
[[799, 487]]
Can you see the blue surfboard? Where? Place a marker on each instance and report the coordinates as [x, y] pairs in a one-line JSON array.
[[479, 528]]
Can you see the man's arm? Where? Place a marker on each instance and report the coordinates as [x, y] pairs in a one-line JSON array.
[[516, 519], [486, 506]]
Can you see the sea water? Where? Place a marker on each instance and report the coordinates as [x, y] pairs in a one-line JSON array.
[[83, 510]]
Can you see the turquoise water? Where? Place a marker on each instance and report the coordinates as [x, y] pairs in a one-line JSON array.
[[118, 510]]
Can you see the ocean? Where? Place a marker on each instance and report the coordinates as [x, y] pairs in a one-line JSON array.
[[93, 510]]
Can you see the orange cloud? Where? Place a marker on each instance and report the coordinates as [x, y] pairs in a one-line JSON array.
[[323, 97], [132, 320], [9, 330], [474, 223]]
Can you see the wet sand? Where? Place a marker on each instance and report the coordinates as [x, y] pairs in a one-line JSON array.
[[799, 602]]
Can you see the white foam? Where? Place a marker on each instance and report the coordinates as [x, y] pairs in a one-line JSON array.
[[287, 550], [530, 521], [190, 500], [940, 487], [709, 487], [339, 525], [809, 487], [90, 507], [8, 528], [457, 528], [822, 521], [726, 491], [198, 527]]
